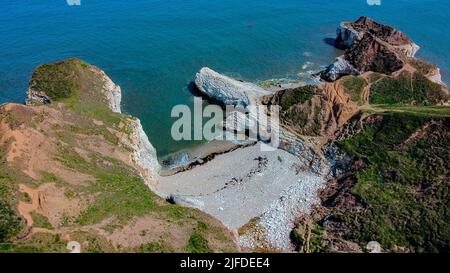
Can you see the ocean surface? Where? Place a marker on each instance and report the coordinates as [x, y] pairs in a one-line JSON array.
[[153, 48]]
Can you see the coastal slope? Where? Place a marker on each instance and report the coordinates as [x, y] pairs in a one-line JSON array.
[[75, 169]]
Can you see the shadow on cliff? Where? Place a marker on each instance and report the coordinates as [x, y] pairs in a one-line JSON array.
[[330, 41], [333, 42], [193, 89]]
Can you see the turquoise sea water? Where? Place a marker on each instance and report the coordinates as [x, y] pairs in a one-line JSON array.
[[153, 48]]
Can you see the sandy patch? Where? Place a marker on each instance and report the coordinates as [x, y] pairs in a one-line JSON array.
[[50, 201], [149, 228]]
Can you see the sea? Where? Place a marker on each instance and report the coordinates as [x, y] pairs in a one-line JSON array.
[[153, 48]]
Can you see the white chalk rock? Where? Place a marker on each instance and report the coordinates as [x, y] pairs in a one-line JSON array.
[[340, 67], [227, 90]]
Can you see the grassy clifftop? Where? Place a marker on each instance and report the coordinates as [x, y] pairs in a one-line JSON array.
[[60, 80]]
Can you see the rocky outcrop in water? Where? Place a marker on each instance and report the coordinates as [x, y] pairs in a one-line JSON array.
[[351, 32], [373, 54], [227, 90], [370, 46]]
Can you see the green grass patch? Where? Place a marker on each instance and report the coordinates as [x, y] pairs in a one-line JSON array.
[[298, 95], [197, 243], [40, 221], [374, 77], [58, 80], [39, 243], [406, 89], [48, 177], [354, 86], [93, 243], [155, 247], [10, 222], [78, 85], [430, 110], [119, 190], [69, 133], [26, 197], [405, 187]]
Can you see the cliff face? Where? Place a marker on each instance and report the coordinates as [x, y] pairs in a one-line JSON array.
[[371, 54], [75, 169], [306, 119], [314, 110], [143, 153]]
